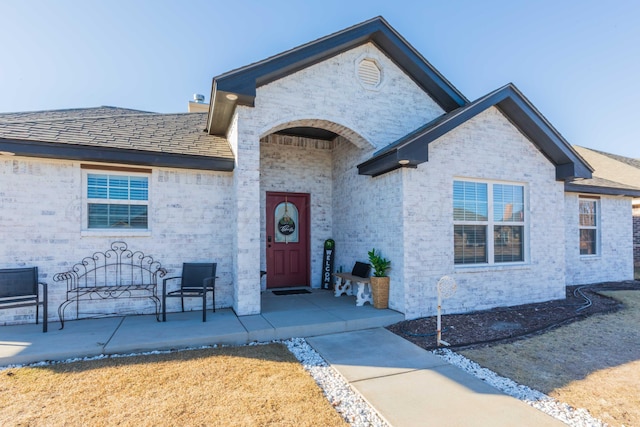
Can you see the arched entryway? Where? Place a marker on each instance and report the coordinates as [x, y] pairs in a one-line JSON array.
[[298, 162]]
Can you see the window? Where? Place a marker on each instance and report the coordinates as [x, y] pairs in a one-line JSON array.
[[480, 208], [117, 200], [588, 219]]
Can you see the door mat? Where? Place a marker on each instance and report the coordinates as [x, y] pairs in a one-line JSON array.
[[291, 292]]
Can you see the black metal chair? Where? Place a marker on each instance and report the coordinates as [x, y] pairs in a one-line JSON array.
[[19, 287], [196, 281]]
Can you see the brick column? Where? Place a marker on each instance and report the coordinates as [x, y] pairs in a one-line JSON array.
[[246, 187]]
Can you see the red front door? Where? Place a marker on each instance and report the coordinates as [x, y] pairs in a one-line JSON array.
[[287, 239]]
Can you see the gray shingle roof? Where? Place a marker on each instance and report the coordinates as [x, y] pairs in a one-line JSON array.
[[612, 167], [73, 113], [612, 174], [117, 128]]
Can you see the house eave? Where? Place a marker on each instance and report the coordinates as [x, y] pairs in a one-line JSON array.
[[572, 187], [242, 83], [516, 108], [61, 151]]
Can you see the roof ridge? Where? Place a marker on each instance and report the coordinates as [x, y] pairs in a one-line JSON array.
[[98, 117], [298, 47]]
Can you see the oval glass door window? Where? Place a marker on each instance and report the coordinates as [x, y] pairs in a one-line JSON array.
[[286, 223]]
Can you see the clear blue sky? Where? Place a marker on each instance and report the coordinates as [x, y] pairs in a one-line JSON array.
[[578, 61]]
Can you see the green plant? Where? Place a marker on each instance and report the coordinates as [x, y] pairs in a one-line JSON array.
[[380, 265]]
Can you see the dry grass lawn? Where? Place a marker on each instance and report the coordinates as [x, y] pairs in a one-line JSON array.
[[592, 364], [235, 386]]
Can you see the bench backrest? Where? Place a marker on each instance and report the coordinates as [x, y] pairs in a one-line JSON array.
[[15, 282], [361, 269], [118, 266]]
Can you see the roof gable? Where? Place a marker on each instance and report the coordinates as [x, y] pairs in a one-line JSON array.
[[238, 87], [413, 149]]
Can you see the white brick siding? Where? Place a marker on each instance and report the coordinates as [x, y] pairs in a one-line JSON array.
[[487, 147], [330, 91], [615, 260], [328, 95], [41, 225]]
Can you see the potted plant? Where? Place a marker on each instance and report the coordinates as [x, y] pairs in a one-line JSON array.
[[379, 280]]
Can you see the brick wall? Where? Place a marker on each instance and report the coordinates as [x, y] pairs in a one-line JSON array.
[[487, 147], [357, 211], [41, 214], [615, 260]]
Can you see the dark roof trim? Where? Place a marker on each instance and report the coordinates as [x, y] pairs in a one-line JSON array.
[[51, 150], [575, 187], [242, 83], [414, 148]]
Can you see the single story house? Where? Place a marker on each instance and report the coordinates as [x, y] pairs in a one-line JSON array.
[[354, 137]]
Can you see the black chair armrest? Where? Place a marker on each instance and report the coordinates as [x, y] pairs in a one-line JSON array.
[[164, 283]]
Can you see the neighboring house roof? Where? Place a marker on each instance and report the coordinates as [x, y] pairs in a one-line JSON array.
[[413, 149], [108, 134], [241, 84], [613, 174]]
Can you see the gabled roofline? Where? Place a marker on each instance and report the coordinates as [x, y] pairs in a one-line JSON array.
[[413, 149], [241, 83], [53, 150]]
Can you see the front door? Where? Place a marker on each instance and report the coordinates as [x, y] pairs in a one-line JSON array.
[[287, 239]]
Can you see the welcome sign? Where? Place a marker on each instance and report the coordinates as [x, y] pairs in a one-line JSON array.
[[327, 263]]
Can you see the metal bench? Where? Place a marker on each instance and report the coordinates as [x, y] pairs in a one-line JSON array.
[[19, 287], [115, 273]]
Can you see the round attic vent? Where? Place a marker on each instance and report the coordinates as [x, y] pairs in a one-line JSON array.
[[369, 73]]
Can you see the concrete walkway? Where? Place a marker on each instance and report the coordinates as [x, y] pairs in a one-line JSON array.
[[409, 386]]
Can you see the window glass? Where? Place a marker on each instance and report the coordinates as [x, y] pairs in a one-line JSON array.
[[117, 201], [508, 244], [470, 244], [286, 223], [479, 207], [508, 203], [588, 224], [469, 201]]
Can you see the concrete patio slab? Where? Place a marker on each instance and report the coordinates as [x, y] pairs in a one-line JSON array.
[[316, 313], [180, 330], [26, 343]]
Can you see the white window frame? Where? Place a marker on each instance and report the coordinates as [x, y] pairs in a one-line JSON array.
[[490, 224], [596, 227], [89, 170]]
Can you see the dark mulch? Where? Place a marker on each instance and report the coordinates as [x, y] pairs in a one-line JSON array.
[[511, 323]]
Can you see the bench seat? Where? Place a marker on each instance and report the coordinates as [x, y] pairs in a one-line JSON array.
[[350, 284]]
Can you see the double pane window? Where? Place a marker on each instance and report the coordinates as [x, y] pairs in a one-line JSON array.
[[117, 201], [489, 222]]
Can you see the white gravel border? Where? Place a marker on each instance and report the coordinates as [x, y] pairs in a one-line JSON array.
[[561, 411], [353, 408]]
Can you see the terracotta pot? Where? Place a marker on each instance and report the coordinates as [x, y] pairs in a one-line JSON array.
[[380, 291]]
